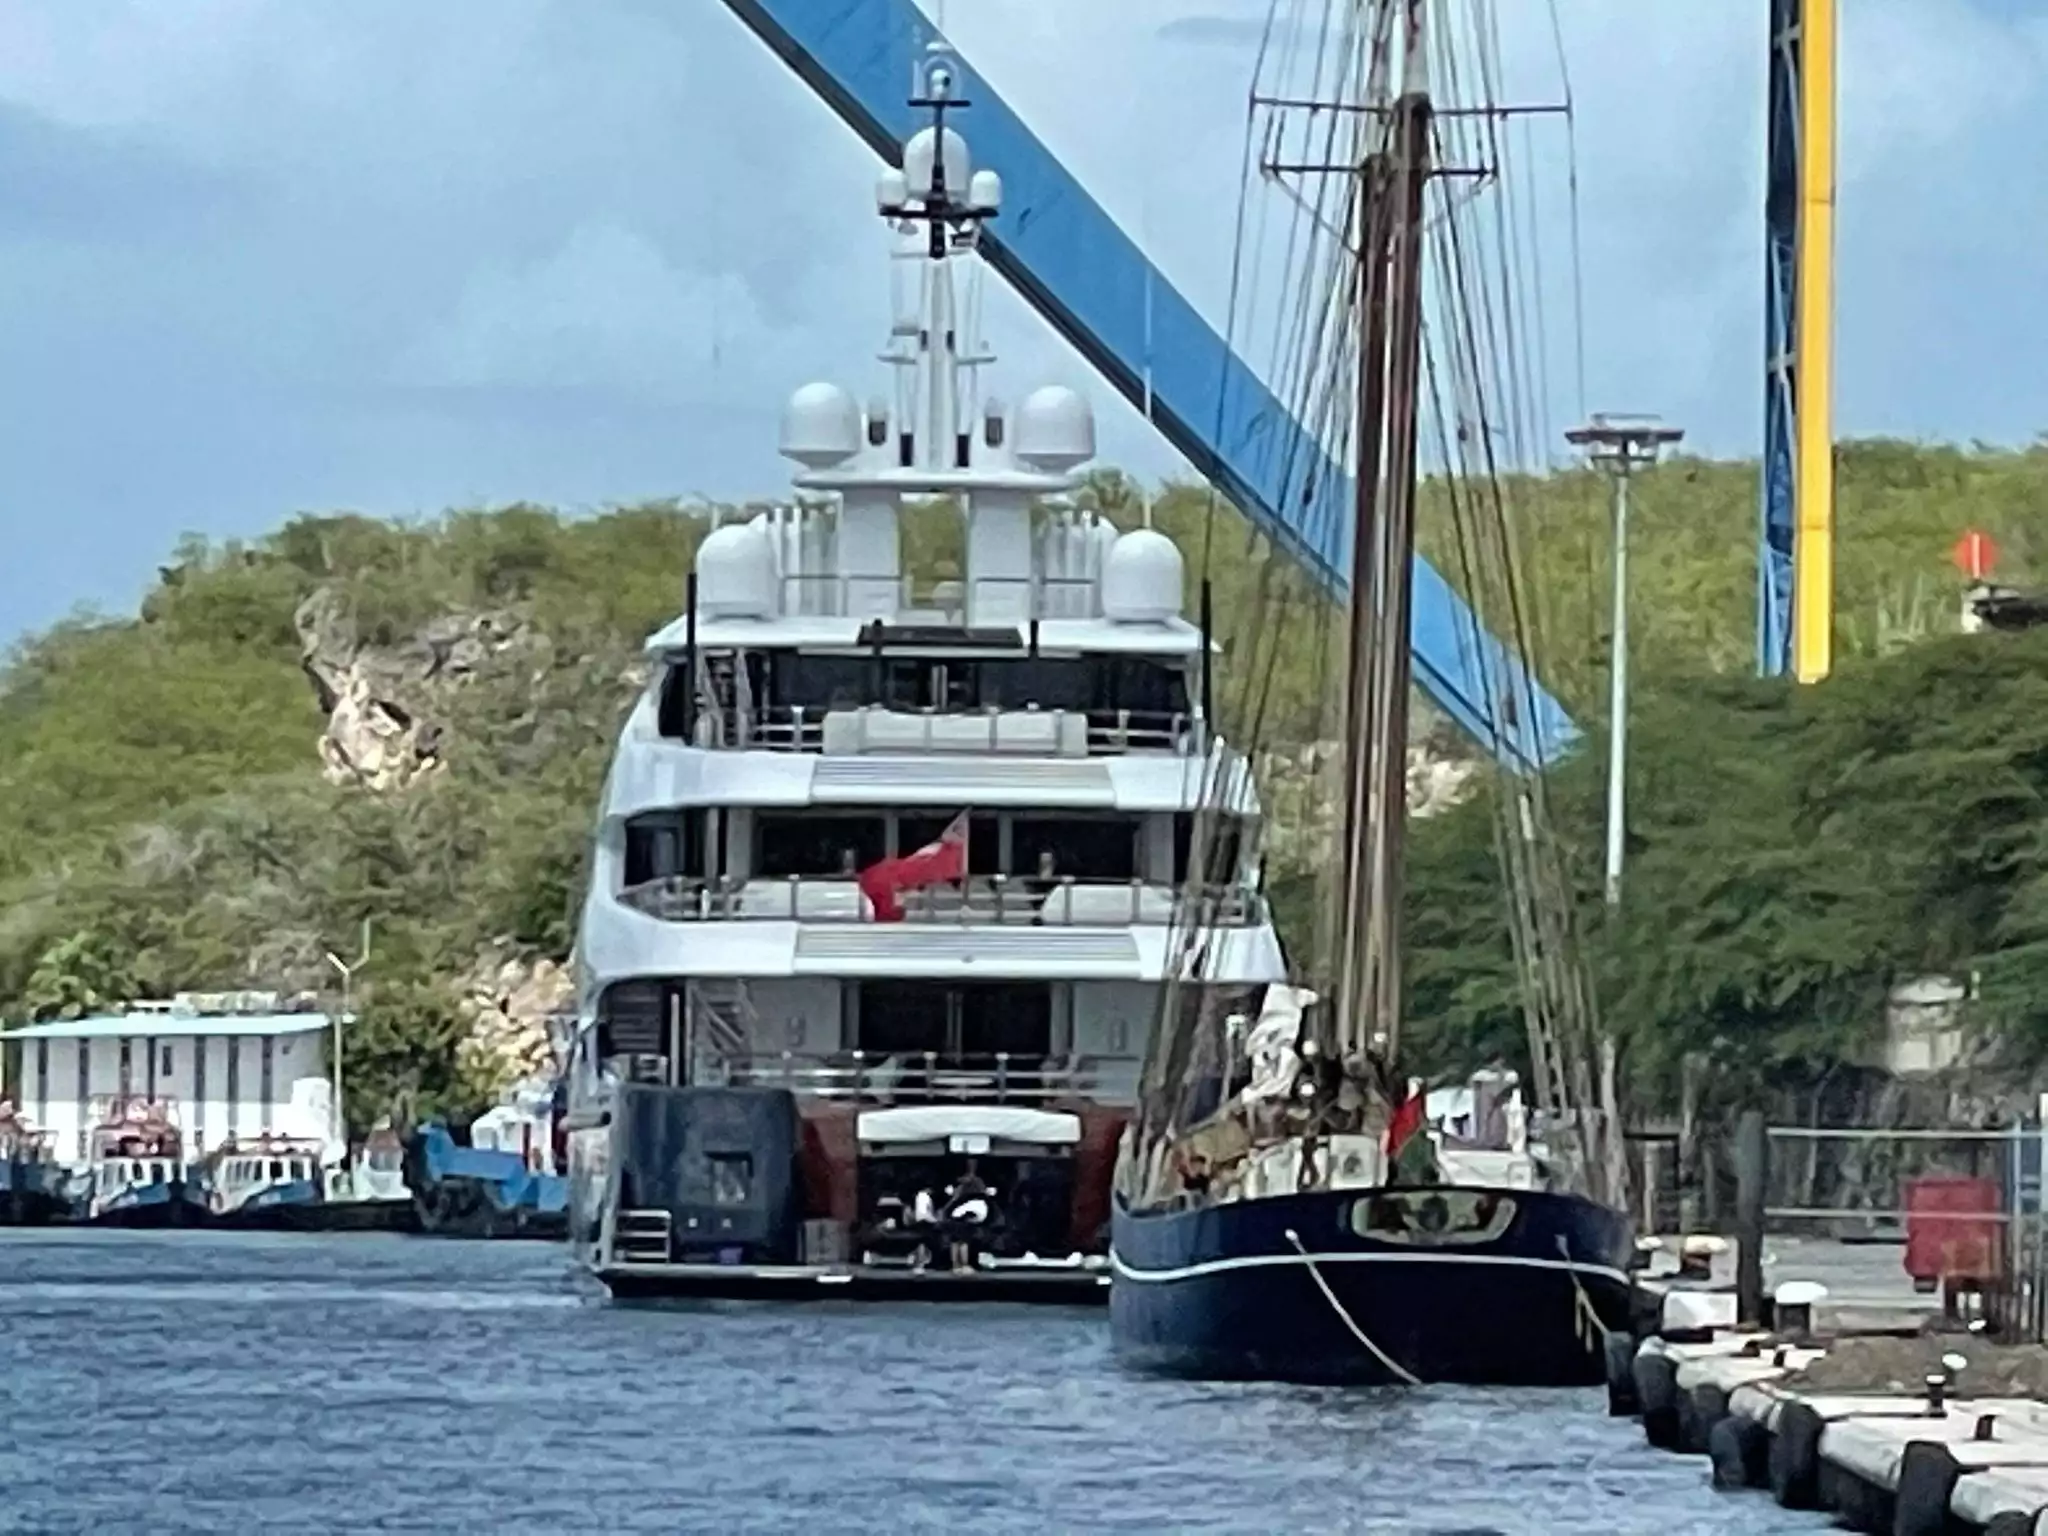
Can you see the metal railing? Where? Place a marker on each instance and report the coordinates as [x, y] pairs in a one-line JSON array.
[[911, 600], [1026, 731], [930, 1077], [1013, 900]]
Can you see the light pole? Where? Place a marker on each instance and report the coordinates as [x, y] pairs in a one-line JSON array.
[[347, 971], [1617, 445]]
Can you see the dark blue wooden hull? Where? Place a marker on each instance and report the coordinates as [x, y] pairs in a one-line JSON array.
[[1223, 1292]]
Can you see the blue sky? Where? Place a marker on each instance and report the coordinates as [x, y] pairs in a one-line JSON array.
[[265, 256]]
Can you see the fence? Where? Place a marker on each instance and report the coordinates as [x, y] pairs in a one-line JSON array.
[[1964, 1205]]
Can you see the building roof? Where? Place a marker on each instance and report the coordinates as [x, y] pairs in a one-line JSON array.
[[171, 1026]]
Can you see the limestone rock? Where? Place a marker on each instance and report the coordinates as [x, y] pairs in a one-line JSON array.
[[512, 1002], [385, 703], [1299, 792]]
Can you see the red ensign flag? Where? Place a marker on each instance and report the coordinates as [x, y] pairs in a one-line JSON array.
[[942, 862]]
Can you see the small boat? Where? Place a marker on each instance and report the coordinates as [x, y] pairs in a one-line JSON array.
[[263, 1181], [472, 1191], [136, 1171], [32, 1182]]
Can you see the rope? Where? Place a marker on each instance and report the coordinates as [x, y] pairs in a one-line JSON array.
[[1407, 1377], [1586, 1317]]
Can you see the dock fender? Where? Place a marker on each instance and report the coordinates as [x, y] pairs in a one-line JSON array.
[[1699, 1410], [1656, 1377], [1859, 1505], [1741, 1452], [1927, 1481], [1622, 1402], [1795, 1456]]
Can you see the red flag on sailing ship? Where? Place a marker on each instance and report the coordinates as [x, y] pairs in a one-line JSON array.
[[1406, 1121], [940, 862]]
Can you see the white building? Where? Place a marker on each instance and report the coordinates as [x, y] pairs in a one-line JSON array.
[[219, 1072]]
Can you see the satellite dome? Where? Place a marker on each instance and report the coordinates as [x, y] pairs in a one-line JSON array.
[[821, 426], [1055, 430], [917, 164], [1142, 579], [736, 573]]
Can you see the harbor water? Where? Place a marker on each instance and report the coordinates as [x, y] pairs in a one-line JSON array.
[[198, 1382]]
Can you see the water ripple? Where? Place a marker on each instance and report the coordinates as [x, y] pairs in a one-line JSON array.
[[190, 1382]]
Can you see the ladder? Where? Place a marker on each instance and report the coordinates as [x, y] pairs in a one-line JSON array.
[[642, 1237], [722, 1018]]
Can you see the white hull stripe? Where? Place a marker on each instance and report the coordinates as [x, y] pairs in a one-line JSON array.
[[1281, 1260]]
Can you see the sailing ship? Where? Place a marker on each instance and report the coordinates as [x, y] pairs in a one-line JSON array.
[[1310, 1226], [890, 864]]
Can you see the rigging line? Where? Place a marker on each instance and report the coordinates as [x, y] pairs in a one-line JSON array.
[[1305, 351], [1394, 1367], [1571, 139], [1523, 930]]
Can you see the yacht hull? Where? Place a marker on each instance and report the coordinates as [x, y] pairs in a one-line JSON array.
[[1286, 1288]]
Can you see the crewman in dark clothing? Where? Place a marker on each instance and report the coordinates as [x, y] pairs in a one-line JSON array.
[[969, 1204]]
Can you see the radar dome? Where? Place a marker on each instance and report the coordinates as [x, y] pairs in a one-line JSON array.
[[736, 573], [1142, 579], [821, 426], [1055, 430], [985, 191], [917, 164]]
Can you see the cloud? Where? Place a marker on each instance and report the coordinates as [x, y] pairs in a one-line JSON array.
[[262, 255], [607, 310]]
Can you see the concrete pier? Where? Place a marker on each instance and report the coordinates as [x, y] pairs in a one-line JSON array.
[[1898, 1456], [1859, 1405]]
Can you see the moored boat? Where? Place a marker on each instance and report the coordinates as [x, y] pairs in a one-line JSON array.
[[1308, 1226], [264, 1181], [32, 1182], [136, 1172], [890, 861]]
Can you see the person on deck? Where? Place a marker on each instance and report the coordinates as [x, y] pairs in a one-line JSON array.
[[968, 1208]]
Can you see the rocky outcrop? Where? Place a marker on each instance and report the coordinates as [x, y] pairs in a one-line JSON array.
[[1298, 789], [385, 703], [509, 1001]]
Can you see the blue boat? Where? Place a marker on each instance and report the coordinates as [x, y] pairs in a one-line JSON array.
[[253, 1182], [136, 1174], [33, 1189], [1374, 1287], [461, 1191]]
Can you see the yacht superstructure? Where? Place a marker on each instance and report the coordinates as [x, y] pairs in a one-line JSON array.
[[891, 861]]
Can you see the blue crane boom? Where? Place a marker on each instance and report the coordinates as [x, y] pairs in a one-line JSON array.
[[1058, 247]]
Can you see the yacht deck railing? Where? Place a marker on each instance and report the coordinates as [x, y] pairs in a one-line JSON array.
[[1014, 900]]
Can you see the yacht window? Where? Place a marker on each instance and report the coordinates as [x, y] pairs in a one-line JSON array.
[[663, 845], [1224, 854], [276, 1169], [797, 844], [156, 1173], [1085, 847], [816, 684], [165, 1063], [984, 837]]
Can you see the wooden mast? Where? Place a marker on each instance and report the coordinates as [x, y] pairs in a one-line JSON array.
[[1390, 350]]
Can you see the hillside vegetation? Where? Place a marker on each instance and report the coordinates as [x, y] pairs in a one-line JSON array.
[[165, 824]]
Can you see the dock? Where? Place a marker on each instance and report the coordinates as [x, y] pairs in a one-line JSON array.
[[1859, 1404]]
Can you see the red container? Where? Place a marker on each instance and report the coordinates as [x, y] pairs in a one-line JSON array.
[[1954, 1229]]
